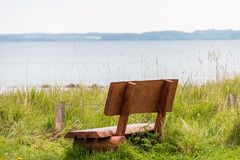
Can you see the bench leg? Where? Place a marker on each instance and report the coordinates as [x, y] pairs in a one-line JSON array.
[[101, 144]]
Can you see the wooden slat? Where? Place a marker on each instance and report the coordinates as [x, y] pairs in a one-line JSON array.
[[170, 95], [109, 131], [115, 97], [146, 98]]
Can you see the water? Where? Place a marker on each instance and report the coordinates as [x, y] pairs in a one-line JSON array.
[[61, 63]]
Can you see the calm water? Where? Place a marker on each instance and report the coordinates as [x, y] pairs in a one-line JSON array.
[[37, 63]]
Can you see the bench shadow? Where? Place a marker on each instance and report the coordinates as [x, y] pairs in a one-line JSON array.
[[77, 151], [144, 140]]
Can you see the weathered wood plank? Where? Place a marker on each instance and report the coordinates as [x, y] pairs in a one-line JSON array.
[[170, 94], [146, 98], [109, 131]]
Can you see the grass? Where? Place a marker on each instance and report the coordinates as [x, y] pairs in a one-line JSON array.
[[201, 125]]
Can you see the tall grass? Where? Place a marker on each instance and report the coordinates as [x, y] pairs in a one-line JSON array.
[[201, 125]]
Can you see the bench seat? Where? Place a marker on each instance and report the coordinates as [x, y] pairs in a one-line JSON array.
[[109, 131]]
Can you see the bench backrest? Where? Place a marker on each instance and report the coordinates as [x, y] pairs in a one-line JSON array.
[[141, 96]]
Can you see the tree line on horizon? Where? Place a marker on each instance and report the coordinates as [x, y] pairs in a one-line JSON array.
[[146, 36]]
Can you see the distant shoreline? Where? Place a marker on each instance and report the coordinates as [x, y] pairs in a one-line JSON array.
[[146, 36]]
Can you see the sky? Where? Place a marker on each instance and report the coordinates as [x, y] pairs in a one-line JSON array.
[[80, 16]]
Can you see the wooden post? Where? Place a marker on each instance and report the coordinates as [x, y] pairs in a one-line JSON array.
[[59, 116], [232, 100], [123, 119]]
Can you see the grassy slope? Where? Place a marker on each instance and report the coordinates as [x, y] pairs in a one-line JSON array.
[[200, 126]]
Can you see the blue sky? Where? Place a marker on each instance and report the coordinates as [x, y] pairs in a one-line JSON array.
[[67, 16]]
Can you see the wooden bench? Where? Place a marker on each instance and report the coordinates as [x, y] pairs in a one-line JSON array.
[[125, 98]]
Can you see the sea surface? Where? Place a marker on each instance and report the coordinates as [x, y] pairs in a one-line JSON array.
[[60, 63]]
